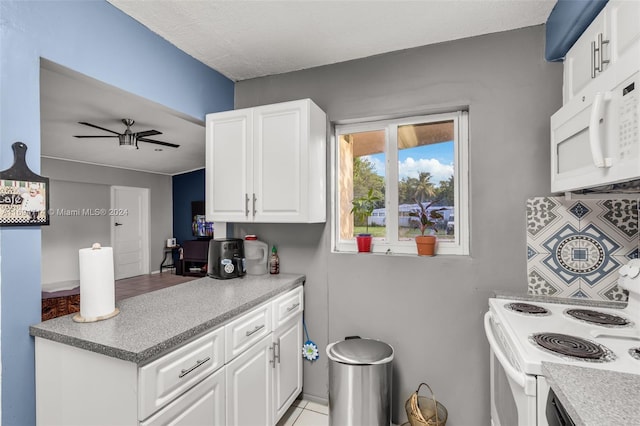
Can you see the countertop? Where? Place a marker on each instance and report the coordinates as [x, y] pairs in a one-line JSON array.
[[154, 323], [594, 397]]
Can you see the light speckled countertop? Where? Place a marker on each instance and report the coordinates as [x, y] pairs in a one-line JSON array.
[[153, 323], [594, 397]]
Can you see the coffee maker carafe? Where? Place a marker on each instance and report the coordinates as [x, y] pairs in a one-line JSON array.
[[226, 258]]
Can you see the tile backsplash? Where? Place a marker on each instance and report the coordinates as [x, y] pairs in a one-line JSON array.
[[575, 247]]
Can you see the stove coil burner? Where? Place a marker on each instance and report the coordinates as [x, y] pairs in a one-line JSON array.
[[599, 318], [635, 353], [573, 347], [527, 309]]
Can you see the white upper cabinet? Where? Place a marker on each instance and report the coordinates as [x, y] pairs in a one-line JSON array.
[[624, 23], [267, 164], [612, 34]]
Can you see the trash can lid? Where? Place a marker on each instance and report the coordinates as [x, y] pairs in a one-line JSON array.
[[360, 352]]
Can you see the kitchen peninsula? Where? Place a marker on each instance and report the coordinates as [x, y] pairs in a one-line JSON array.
[[175, 352]]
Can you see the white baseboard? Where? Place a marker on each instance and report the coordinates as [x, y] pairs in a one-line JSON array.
[[316, 399]]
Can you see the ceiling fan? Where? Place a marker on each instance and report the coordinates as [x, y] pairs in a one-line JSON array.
[[129, 139]]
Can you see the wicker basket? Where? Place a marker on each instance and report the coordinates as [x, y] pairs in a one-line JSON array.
[[58, 306], [423, 411]]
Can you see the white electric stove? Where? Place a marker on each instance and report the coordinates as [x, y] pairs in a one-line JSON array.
[[522, 334]]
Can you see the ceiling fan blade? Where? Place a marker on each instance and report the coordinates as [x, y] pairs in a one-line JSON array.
[[147, 133], [97, 127], [172, 145], [86, 136]]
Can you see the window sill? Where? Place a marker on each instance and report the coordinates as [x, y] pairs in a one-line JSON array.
[[404, 255]]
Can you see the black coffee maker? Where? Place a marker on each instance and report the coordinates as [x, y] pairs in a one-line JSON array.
[[226, 258]]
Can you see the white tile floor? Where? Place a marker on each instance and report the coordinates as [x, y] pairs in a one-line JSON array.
[[305, 413]]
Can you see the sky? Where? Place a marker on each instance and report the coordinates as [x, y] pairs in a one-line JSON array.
[[436, 159]]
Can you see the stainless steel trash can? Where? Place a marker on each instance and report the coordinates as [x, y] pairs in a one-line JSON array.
[[360, 377]]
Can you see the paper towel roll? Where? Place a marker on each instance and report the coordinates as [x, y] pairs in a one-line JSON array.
[[97, 285]]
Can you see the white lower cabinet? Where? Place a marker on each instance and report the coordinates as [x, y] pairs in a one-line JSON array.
[[263, 381], [202, 405], [247, 372], [287, 377], [249, 376]]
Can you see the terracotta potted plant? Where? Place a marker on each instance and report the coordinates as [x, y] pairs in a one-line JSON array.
[[426, 244], [362, 209]]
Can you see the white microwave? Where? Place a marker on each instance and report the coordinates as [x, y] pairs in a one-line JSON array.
[[595, 141]]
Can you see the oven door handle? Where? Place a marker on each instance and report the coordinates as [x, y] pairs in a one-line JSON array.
[[515, 375]]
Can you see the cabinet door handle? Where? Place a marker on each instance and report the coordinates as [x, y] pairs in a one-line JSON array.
[[246, 205], [593, 60], [190, 369], [292, 307], [276, 352], [254, 205], [602, 61], [255, 330], [272, 360]]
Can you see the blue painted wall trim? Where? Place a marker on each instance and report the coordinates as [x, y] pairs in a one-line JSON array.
[[187, 187], [96, 39], [566, 23]]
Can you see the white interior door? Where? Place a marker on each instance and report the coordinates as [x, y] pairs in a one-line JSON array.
[[130, 230]]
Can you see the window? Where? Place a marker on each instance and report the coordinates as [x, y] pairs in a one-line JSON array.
[[396, 164]]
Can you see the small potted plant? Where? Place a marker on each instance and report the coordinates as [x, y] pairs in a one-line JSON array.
[[426, 244], [362, 209]]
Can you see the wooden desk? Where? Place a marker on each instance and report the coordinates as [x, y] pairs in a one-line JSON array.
[[195, 253]]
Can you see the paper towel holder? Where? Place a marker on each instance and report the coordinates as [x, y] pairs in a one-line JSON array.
[[80, 318]]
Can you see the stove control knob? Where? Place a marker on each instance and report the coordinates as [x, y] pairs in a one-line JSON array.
[[624, 271]]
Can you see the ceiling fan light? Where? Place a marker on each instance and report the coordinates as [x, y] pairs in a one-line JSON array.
[[128, 141]]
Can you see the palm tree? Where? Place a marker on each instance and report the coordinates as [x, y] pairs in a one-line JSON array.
[[424, 187]]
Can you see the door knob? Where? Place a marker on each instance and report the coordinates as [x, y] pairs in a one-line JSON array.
[[118, 224]]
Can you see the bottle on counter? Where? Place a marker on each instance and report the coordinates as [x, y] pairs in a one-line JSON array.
[[274, 262]]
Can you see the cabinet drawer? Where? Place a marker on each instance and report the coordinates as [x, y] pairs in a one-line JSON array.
[[166, 378], [287, 306], [245, 331], [202, 405]]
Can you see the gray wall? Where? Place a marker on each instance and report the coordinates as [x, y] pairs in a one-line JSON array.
[[65, 235], [429, 309], [160, 202]]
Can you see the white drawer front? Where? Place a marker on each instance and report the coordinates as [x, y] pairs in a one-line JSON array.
[[243, 332], [287, 306], [166, 378], [202, 405]]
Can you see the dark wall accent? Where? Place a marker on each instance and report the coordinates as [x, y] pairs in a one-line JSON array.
[[187, 187], [566, 23]]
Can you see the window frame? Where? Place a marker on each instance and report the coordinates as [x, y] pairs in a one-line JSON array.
[[460, 244]]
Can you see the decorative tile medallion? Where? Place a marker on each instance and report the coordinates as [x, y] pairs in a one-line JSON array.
[[575, 247], [579, 210]]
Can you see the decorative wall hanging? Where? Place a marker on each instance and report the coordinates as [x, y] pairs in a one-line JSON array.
[[24, 195]]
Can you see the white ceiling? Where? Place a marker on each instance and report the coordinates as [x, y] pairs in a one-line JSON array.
[[67, 97], [246, 39]]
